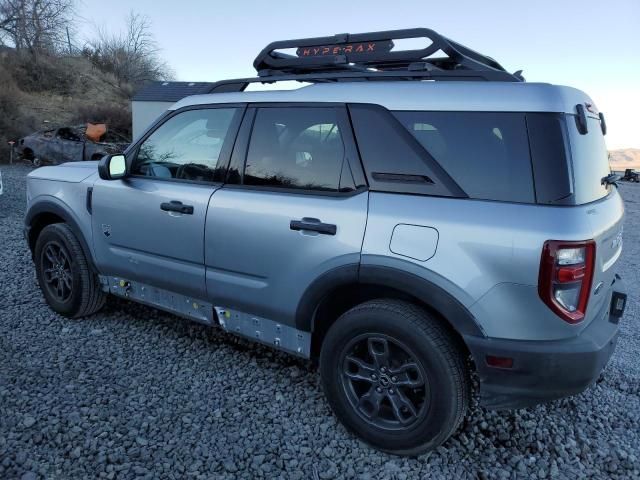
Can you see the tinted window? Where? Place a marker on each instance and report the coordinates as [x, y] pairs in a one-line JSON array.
[[590, 161], [393, 159], [549, 152], [486, 153], [295, 148], [187, 146]]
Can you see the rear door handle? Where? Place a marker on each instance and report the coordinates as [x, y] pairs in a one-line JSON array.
[[177, 206], [314, 225]]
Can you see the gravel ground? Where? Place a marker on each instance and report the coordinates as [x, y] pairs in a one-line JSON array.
[[133, 392]]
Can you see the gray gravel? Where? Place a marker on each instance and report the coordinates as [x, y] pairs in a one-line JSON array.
[[133, 392]]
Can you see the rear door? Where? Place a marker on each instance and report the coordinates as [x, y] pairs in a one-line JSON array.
[[293, 212], [149, 226]]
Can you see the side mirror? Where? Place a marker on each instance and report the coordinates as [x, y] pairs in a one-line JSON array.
[[112, 167]]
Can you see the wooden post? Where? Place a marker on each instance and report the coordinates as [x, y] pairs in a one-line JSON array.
[[11, 142]]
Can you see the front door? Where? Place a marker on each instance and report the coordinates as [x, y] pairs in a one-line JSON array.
[[149, 226], [294, 214]]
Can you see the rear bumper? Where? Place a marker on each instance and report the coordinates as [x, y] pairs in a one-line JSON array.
[[545, 370]]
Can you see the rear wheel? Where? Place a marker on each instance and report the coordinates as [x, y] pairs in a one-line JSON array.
[[67, 282], [394, 376]]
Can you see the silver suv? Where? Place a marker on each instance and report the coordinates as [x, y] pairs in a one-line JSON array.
[[408, 221]]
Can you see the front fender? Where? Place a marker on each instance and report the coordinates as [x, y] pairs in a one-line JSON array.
[[39, 215]]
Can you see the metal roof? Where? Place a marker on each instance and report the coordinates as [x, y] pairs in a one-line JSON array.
[[170, 91], [418, 95]]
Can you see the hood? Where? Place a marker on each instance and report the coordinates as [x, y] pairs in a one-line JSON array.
[[73, 172]]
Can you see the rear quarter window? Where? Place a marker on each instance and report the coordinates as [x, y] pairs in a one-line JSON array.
[[486, 153]]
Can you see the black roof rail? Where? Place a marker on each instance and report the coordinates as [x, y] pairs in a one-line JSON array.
[[370, 56]]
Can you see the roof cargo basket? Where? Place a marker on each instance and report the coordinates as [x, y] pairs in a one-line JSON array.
[[371, 56]]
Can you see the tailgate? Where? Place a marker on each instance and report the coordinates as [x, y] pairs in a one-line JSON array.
[[606, 217]]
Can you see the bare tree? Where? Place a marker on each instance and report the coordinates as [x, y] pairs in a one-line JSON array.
[[35, 26], [133, 56]]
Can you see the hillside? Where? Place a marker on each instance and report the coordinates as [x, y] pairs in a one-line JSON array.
[[56, 92], [625, 158]]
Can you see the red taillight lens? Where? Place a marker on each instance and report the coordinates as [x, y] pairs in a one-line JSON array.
[[566, 273]]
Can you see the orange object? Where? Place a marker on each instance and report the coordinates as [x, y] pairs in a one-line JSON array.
[[95, 131]]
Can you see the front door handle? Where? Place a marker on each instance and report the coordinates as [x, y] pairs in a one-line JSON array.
[[314, 225], [177, 206]]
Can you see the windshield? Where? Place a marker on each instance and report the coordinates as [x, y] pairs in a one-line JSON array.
[[590, 161]]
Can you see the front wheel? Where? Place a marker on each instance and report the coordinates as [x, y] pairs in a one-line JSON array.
[[65, 278], [395, 376]]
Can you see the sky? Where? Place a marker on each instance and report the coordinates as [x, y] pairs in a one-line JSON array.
[[592, 45]]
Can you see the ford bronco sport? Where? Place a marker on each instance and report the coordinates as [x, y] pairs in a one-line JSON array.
[[409, 219]]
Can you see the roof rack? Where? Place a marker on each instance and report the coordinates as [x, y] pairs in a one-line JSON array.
[[370, 56]]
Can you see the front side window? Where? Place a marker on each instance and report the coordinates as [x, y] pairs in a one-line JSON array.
[[188, 146], [295, 147], [486, 153]]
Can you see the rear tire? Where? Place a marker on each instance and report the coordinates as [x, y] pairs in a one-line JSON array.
[[69, 285], [395, 376]]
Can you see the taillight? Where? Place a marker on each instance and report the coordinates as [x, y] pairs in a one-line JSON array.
[[566, 272]]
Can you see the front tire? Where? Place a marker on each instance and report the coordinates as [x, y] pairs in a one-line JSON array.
[[394, 376], [69, 285]]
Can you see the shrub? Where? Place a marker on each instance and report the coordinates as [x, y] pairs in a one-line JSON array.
[[13, 124], [45, 74]]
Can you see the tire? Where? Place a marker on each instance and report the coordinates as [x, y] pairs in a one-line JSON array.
[[69, 285], [409, 419]]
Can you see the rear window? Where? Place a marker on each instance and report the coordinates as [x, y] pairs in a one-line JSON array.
[[590, 161], [486, 153]]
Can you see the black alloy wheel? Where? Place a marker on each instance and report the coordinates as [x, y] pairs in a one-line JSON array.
[[56, 270], [384, 381]]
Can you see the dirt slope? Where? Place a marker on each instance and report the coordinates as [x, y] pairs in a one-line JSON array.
[[56, 92]]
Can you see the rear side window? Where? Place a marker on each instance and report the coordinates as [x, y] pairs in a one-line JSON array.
[[296, 147], [393, 160], [486, 153], [550, 155]]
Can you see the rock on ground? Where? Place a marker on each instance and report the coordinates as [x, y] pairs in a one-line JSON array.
[[154, 396]]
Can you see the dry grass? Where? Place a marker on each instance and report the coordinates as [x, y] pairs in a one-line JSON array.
[[57, 92]]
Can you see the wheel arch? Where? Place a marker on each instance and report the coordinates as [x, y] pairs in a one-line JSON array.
[[47, 212], [340, 289]]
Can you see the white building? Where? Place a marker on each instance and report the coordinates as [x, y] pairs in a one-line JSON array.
[[155, 98]]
